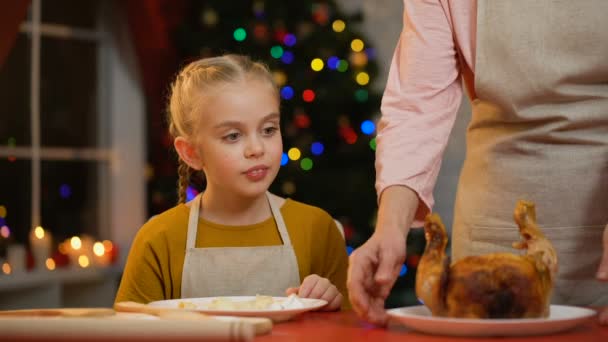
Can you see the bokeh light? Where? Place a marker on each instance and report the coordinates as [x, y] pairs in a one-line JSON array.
[[289, 40], [372, 144], [287, 92], [65, 191], [306, 164], [317, 64], [240, 34], [342, 65], [338, 25], [287, 57], [332, 62], [284, 159], [361, 95], [362, 78], [368, 127], [317, 148], [302, 120], [276, 51], [5, 232], [288, 188], [357, 45], [279, 78], [294, 153], [308, 95]]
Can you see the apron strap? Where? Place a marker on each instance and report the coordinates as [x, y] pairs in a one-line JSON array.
[[193, 221], [278, 217]]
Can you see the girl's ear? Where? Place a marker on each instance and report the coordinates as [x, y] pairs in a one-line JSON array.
[[188, 153]]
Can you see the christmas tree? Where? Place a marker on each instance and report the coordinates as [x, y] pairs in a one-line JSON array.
[[324, 69]]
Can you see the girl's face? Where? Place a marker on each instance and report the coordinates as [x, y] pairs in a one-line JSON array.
[[239, 140]]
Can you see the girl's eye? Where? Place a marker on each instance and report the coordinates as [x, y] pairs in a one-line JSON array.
[[270, 130], [232, 137]]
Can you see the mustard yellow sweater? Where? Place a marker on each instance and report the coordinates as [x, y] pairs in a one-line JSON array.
[[155, 262]]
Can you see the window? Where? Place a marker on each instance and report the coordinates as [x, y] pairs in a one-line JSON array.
[[72, 125]]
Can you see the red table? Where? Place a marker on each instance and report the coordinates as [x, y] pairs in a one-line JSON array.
[[345, 326]]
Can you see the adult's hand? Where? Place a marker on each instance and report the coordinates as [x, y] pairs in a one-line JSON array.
[[372, 271], [374, 267], [602, 275]]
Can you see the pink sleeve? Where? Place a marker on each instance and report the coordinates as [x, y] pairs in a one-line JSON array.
[[419, 105]]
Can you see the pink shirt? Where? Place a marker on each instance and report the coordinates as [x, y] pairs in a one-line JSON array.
[[423, 94]]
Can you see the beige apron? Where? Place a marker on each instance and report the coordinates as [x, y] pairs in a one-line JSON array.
[[539, 131], [238, 271]]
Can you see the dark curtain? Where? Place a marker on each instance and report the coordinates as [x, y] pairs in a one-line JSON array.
[[152, 23], [12, 14]]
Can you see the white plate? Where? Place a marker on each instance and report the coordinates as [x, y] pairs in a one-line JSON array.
[[560, 318], [277, 315]]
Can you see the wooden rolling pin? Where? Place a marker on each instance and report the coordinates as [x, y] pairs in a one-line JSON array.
[[261, 326], [63, 312]]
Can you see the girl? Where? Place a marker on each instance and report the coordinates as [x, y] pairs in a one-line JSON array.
[[235, 238]]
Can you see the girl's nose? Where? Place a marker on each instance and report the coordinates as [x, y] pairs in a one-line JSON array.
[[254, 148]]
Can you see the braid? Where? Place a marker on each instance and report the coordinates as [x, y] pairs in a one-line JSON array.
[[184, 171]]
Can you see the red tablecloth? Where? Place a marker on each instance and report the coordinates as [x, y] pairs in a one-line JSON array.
[[345, 326]]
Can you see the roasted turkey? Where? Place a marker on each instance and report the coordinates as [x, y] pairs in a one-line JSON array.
[[498, 285]]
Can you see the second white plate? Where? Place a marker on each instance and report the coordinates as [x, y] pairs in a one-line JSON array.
[[561, 317]]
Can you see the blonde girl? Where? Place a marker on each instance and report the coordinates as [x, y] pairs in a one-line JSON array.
[[235, 238]]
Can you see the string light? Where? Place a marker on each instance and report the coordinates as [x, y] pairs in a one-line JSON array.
[[209, 17], [306, 164], [288, 188], [372, 144], [357, 45], [2, 211], [287, 57], [65, 191], [317, 148], [342, 65], [308, 95], [368, 127], [361, 95], [289, 40], [284, 159], [276, 51], [403, 270], [358, 59], [239, 34], [287, 92], [302, 120], [5, 232], [294, 153], [338, 25], [279, 78], [332, 62], [317, 64], [362, 78]]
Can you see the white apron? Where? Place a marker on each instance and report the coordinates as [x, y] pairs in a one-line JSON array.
[[238, 271], [539, 131]]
